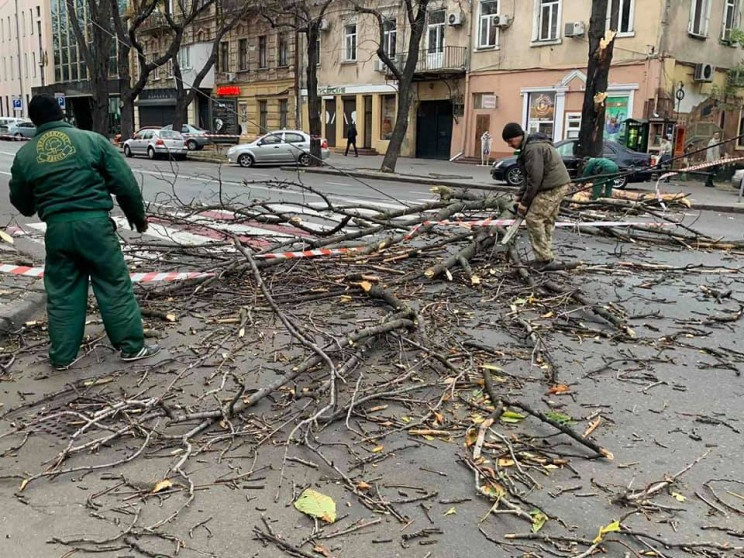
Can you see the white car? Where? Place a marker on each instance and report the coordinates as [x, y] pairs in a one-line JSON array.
[[156, 143], [8, 121], [737, 178], [276, 148]]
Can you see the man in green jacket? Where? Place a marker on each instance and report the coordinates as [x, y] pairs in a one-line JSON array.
[[67, 176], [605, 170], [546, 183]]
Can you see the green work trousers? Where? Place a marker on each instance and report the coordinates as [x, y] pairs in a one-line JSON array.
[[602, 188], [82, 245]]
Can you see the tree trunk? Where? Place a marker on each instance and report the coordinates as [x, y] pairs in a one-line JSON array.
[[314, 107], [405, 89], [601, 43], [127, 113]]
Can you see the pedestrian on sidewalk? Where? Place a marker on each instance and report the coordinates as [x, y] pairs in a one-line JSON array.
[[546, 183], [68, 176], [351, 136], [605, 170], [713, 153]]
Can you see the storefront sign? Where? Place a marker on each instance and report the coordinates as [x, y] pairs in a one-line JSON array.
[[616, 112], [542, 107], [332, 90], [488, 101], [228, 90], [225, 117]]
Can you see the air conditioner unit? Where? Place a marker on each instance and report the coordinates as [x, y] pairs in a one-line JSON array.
[[380, 66], [705, 72], [574, 29], [502, 21], [230, 78], [325, 25], [455, 19]]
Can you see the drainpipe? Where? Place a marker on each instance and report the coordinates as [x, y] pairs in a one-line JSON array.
[[18, 41]]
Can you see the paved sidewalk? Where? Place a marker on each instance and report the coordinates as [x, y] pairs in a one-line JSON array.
[[21, 298]]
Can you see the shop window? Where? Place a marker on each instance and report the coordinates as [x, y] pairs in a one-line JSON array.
[[387, 116], [541, 114]]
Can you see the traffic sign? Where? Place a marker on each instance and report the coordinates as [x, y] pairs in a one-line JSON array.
[[17, 104], [61, 101]]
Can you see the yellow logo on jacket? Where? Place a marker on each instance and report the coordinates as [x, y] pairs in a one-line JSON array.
[[53, 147]]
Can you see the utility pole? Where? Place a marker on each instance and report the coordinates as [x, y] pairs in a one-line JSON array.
[[20, 66], [601, 43]]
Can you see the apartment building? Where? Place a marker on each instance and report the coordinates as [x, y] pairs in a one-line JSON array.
[[24, 53], [528, 63], [357, 87]]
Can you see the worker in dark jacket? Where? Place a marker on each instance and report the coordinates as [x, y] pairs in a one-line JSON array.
[[605, 171], [546, 183], [351, 136], [67, 176]]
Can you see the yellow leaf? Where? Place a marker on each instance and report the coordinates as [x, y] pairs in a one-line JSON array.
[[504, 462], [318, 505], [164, 484], [438, 417], [475, 280], [611, 528], [538, 520], [559, 389], [405, 419], [451, 511], [366, 286], [363, 486], [6, 237], [170, 317], [471, 436], [23, 485], [378, 449], [679, 497], [494, 490]]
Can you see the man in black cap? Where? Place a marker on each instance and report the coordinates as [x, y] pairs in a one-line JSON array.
[[68, 176], [546, 183]]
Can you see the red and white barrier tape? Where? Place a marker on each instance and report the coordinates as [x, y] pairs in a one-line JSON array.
[[700, 166], [307, 253], [152, 277]]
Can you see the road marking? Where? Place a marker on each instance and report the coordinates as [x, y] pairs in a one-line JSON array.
[[339, 184], [173, 235]]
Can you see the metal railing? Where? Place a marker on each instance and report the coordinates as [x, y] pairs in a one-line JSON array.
[[432, 60]]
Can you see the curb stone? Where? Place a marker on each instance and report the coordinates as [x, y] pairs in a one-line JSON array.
[[18, 312]]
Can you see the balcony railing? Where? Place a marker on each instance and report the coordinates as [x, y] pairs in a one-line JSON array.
[[449, 59]]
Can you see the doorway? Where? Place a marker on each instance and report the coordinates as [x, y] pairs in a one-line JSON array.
[[330, 121], [434, 130], [368, 121], [482, 124], [350, 114]]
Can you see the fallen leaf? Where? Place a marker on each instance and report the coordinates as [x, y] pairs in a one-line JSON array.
[[405, 419], [451, 511], [170, 317], [6, 237], [538, 520], [511, 417], [438, 417], [494, 490], [345, 298], [505, 462], [23, 485], [318, 505], [366, 286], [471, 436], [378, 449], [559, 389], [164, 484], [560, 418], [611, 528], [679, 497], [363, 486], [322, 551]]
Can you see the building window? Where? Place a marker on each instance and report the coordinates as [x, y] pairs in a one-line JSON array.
[[435, 31], [283, 113], [731, 12], [262, 58], [387, 116], [547, 19], [390, 37], [699, 16], [169, 67], [283, 58], [541, 114], [350, 43], [224, 56], [485, 101], [23, 23], [156, 71], [243, 54], [620, 17], [31, 20], [488, 33], [25, 63], [184, 58], [573, 125], [317, 51], [263, 117]]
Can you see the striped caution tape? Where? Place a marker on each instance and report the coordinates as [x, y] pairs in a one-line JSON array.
[[152, 277], [307, 253], [700, 166]]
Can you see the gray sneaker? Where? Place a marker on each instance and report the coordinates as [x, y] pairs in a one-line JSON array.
[[145, 352]]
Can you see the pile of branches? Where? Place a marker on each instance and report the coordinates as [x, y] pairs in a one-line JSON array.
[[343, 335]]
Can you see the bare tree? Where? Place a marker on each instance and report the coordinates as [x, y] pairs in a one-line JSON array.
[[601, 44], [95, 42], [305, 18], [228, 13], [416, 16]]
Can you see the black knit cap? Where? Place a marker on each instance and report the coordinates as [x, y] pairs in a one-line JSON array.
[[512, 130], [43, 109]]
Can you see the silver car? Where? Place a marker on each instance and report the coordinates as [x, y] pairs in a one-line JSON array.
[[737, 178], [6, 122], [276, 148], [22, 130], [156, 143], [196, 138]]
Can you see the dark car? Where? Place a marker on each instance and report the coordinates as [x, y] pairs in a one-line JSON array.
[[507, 170]]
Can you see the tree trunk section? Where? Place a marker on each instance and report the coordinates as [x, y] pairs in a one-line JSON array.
[[313, 99], [601, 44], [127, 113]]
